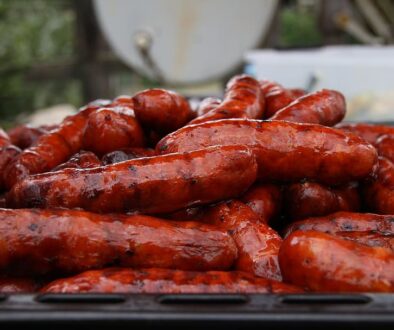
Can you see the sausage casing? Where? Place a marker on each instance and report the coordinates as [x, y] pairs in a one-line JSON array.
[[385, 146], [123, 154], [83, 159], [369, 132]]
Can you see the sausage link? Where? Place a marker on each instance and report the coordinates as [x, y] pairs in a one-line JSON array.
[[7, 155], [207, 105], [24, 136], [123, 280], [325, 263], [285, 152], [112, 128], [325, 107], [258, 245], [4, 139], [18, 285], [385, 146], [82, 159], [310, 199], [369, 238], [123, 154], [265, 200], [242, 99], [157, 184], [369, 132], [70, 241], [161, 110]]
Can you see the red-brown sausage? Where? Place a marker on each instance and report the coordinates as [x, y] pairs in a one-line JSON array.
[[4, 139], [285, 152], [18, 285], [70, 241], [123, 280], [325, 107], [385, 146], [243, 99], [161, 110], [325, 263], [207, 105], [311, 199], [24, 136], [112, 128], [378, 193], [265, 200], [83, 159], [126, 154], [157, 184], [369, 238], [7, 155], [258, 245], [369, 132]]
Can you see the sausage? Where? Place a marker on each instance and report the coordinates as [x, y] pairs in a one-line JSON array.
[[112, 128], [7, 155], [157, 184], [161, 110], [18, 285], [285, 152], [194, 213], [70, 241], [126, 154], [369, 132], [325, 263], [51, 149], [310, 199], [4, 139], [258, 245], [385, 146], [207, 105], [242, 99], [24, 136], [325, 107], [82, 159], [265, 200], [369, 238], [123, 280], [378, 193]]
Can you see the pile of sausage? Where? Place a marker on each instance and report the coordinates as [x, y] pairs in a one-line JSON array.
[[260, 192]]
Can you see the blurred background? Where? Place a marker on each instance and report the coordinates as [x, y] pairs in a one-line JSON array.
[[56, 55]]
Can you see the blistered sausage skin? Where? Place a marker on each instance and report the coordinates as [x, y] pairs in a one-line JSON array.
[[285, 152], [82, 159], [325, 263], [123, 280], [385, 147], [156, 184], [265, 200], [242, 99], [18, 285], [123, 154], [258, 245], [311, 199], [161, 110], [70, 241], [369, 132], [325, 107], [378, 193], [207, 105]]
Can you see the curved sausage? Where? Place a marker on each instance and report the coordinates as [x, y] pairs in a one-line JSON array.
[[258, 245], [7, 155], [325, 263], [265, 200], [121, 280], [310, 199], [325, 107], [83, 159], [369, 132], [207, 105], [110, 129], [24, 136], [157, 184], [123, 154], [161, 110], [242, 99], [70, 241], [285, 152], [4, 139], [385, 146], [18, 285]]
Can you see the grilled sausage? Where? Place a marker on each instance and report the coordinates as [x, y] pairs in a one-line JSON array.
[[369, 132], [24, 136], [310, 199], [112, 128], [123, 280], [207, 105], [385, 146], [161, 110], [325, 263], [285, 152], [18, 285], [70, 241], [83, 159], [325, 107], [7, 155], [369, 238], [243, 99], [265, 200], [258, 245], [157, 184], [126, 154]]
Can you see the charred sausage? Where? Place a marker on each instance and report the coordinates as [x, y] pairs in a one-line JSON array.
[[126, 154], [83, 159]]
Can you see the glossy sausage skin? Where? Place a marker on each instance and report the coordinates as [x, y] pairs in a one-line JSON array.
[[83, 159], [157, 184], [258, 245], [325, 107], [344, 222], [24, 136], [18, 285], [70, 241], [207, 105], [112, 128], [369, 132], [242, 99], [126, 154], [325, 263], [4, 139], [311, 199], [285, 152], [7, 155], [161, 110], [378, 193], [385, 147], [369, 238], [265, 200], [123, 280]]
